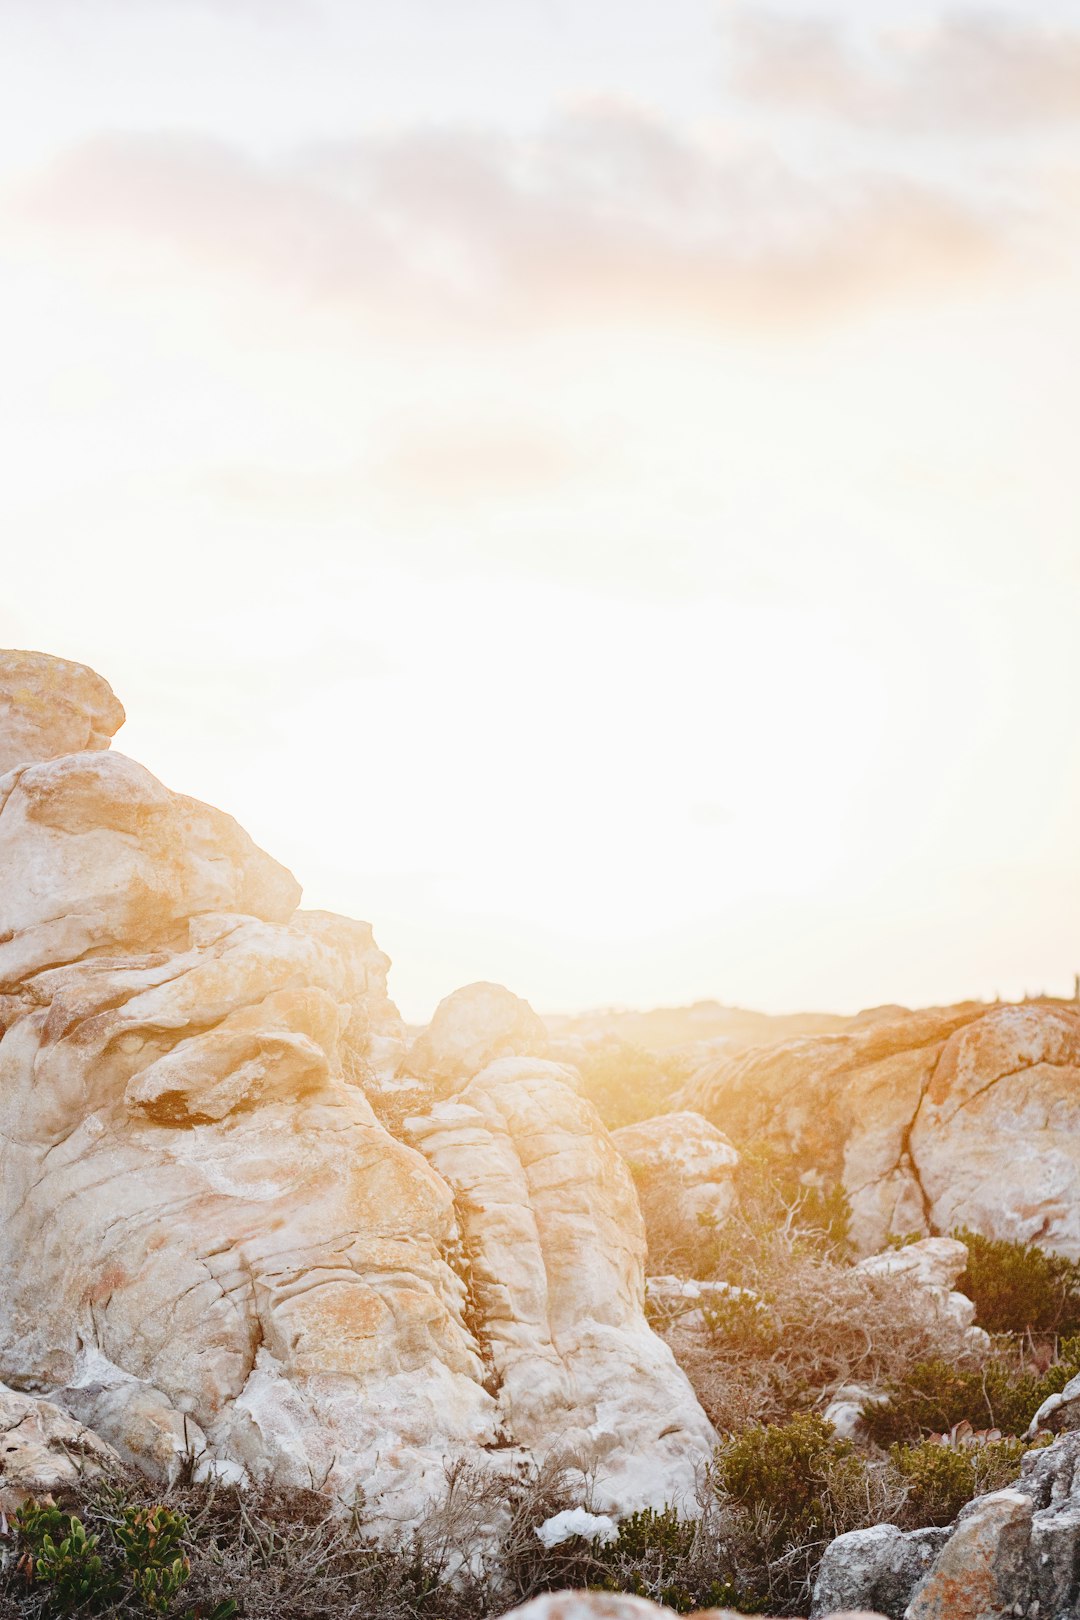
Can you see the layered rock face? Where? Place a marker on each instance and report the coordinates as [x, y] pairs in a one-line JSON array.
[[212, 1244], [958, 1116]]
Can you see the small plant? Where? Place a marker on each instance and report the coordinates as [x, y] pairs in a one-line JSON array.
[[793, 1472], [58, 1555], [943, 1474], [741, 1323], [1018, 1288], [136, 1558]]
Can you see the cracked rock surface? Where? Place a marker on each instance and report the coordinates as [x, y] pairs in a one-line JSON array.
[[212, 1242], [954, 1116]]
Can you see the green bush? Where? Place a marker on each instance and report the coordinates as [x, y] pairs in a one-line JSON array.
[[1017, 1288], [795, 1474], [941, 1478], [937, 1395], [136, 1559]]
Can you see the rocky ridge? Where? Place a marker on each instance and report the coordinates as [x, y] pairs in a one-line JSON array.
[[950, 1117], [215, 1248]]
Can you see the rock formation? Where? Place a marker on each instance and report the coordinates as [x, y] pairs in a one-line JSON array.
[[683, 1169], [1012, 1552], [212, 1243], [42, 1450], [958, 1116]]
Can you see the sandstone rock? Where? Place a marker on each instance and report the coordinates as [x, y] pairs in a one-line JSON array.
[[49, 706], [42, 1449], [966, 1115], [683, 1169], [980, 1573], [997, 1136], [934, 1265], [550, 1222], [214, 1250], [472, 1027]]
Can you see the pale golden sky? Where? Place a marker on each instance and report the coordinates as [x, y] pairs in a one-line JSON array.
[[590, 484]]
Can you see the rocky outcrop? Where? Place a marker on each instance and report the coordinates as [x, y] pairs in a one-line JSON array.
[[214, 1250], [556, 1249], [471, 1028], [683, 1169], [958, 1116], [43, 1450], [1012, 1552]]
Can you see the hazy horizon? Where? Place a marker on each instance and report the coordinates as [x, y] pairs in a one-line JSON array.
[[591, 488]]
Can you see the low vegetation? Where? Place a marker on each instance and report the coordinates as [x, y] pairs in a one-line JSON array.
[[625, 1083]]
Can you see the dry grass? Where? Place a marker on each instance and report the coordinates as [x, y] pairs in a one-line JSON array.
[[817, 1323]]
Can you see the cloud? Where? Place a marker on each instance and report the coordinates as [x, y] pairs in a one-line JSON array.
[[977, 71], [609, 214]]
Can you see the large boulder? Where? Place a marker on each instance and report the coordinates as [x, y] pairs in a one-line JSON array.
[[213, 1248], [683, 1169], [557, 1250], [472, 1027], [49, 707], [966, 1115]]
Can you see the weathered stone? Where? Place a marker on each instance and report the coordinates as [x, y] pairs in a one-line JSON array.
[[683, 1169], [997, 1136], [982, 1571], [215, 1253], [966, 1115], [1059, 1412], [552, 1227], [934, 1265], [1011, 1552], [471, 1028], [42, 1449], [619, 1606], [49, 707], [880, 1565]]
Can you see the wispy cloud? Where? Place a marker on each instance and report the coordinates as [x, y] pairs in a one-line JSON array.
[[609, 214], [981, 71]]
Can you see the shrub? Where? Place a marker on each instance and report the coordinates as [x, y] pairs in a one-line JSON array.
[[791, 1470], [941, 1477], [796, 1486], [626, 1083], [1017, 1288], [136, 1558], [937, 1394]]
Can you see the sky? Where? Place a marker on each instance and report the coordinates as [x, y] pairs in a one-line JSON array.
[[590, 484]]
